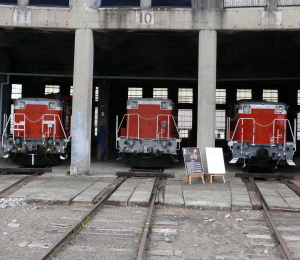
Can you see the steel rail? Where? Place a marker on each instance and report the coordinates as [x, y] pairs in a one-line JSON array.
[[55, 248], [141, 253], [283, 249], [18, 185], [292, 186]]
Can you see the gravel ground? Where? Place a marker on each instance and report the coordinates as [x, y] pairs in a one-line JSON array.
[[27, 230], [180, 234], [206, 235]]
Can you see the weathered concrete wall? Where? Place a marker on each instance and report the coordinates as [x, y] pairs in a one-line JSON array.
[[206, 14]]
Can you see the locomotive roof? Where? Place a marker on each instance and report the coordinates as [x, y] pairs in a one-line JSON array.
[[59, 102], [243, 102], [149, 99]]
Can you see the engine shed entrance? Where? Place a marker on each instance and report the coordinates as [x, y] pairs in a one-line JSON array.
[[177, 62]]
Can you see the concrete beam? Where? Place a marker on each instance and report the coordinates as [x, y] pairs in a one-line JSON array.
[[207, 72], [209, 15], [82, 102]]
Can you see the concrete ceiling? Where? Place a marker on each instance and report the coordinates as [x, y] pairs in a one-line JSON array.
[[156, 54]]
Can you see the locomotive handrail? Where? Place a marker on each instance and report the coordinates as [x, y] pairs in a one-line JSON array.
[[25, 118], [235, 129], [272, 139], [118, 126], [5, 128], [293, 136]]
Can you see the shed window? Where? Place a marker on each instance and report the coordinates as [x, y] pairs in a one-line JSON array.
[[16, 91], [298, 126], [120, 3], [220, 124], [270, 95], [160, 93], [12, 2], [185, 120], [96, 94], [221, 96], [52, 89], [64, 3], [185, 95], [244, 94], [135, 92], [96, 121], [177, 3]]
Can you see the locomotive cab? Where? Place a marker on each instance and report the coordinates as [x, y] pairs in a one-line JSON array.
[[148, 135], [257, 134]]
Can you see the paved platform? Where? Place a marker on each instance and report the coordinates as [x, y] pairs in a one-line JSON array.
[[58, 187]]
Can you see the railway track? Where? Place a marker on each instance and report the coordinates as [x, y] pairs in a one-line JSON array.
[[281, 242], [87, 225], [30, 175]]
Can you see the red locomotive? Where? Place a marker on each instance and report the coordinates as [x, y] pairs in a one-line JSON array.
[[150, 137], [38, 131], [257, 134]]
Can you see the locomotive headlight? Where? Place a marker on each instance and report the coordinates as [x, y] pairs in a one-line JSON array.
[[164, 105], [246, 109], [50, 141], [52, 105], [18, 140], [133, 104], [279, 109], [22, 104]]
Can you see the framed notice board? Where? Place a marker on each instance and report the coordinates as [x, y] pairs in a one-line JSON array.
[[192, 160], [215, 160]]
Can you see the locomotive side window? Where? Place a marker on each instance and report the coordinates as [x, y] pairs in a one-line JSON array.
[[52, 105], [135, 93], [133, 104], [270, 95], [164, 105], [160, 93], [243, 94], [246, 109], [232, 111], [220, 96], [21, 104], [185, 95], [279, 110]]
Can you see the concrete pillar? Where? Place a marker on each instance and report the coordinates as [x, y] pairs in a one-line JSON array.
[[206, 90], [145, 4], [82, 102], [103, 129]]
